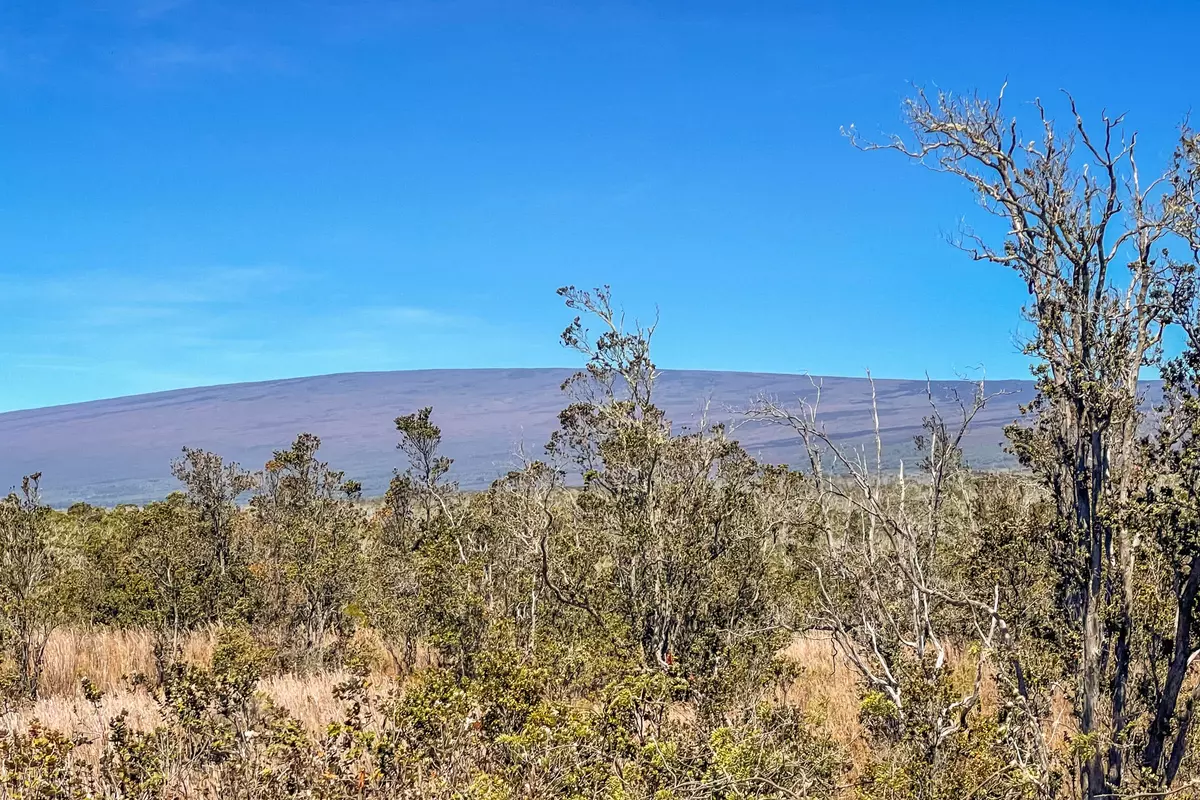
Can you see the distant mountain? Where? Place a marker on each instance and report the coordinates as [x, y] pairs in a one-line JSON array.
[[111, 451]]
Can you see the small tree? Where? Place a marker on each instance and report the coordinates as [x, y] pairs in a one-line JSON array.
[[309, 548], [174, 561], [213, 488], [681, 525], [36, 581], [420, 441], [423, 579]]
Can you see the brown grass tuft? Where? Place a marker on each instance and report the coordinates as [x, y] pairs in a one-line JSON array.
[[827, 688]]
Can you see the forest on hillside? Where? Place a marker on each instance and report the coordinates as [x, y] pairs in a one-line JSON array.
[[688, 622]]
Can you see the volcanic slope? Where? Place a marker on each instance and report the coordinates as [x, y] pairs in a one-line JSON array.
[[112, 451]]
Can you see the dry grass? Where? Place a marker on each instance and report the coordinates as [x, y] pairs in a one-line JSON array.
[[111, 658], [108, 657], [308, 698], [826, 687], [74, 715], [830, 688]]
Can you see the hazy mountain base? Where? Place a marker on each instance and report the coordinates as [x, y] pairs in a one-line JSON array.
[[116, 451]]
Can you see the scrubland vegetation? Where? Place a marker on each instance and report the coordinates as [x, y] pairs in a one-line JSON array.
[[648, 612]]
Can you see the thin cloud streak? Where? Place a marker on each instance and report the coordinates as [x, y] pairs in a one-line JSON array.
[[183, 287], [209, 326], [146, 11], [159, 56]]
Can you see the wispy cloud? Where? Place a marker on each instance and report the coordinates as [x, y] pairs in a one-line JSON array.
[[410, 315], [170, 287], [43, 362], [137, 40], [204, 326], [159, 56], [97, 315], [146, 11], [158, 59], [355, 19]]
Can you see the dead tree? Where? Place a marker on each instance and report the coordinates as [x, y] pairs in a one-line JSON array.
[[880, 586], [1090, 238]]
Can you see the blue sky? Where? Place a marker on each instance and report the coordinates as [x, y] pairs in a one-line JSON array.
[[200, 191]]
